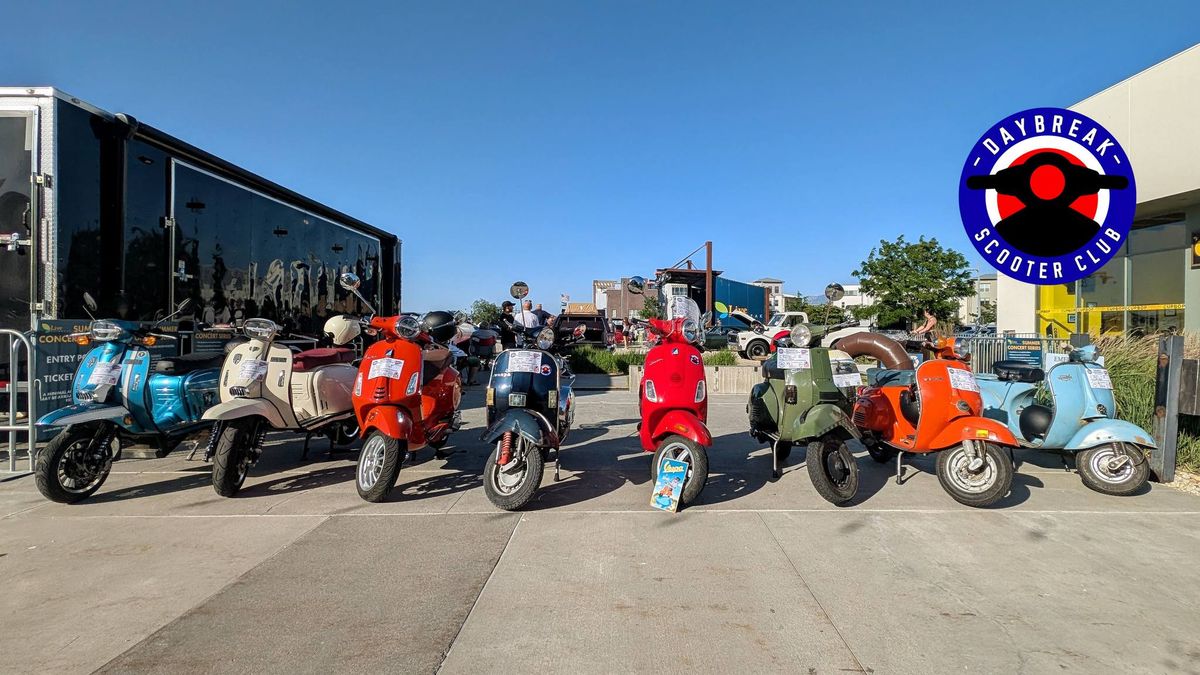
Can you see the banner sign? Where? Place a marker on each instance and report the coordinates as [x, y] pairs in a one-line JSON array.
[[1025, 350]]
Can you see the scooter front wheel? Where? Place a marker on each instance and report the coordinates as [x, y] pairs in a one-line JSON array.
[[1113, 469], [980, 485], [378, 466], [232, 456], [832, 469], [511, 487], [74, 465], [687, 450]]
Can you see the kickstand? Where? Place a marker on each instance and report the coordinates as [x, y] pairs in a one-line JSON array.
[[307, 437], [195, 447], [899, 466], [557, 452], [1063, 457], [774, 460]]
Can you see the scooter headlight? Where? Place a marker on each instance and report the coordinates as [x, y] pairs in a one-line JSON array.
[[691, 330], [105, 331], [651, 395], [545, 338], [408, 327], [801, 335], [260, 329]]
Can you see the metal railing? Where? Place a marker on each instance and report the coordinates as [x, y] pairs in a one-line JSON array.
[[14, 387], [986, 351]]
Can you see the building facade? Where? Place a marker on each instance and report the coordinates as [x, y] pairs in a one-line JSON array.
[[1149, 285], [777, 298], [984, 295]]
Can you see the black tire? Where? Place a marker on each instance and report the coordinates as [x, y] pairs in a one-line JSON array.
[[378, 466], [1093, 466], [519, 494], [60, 460], [881, 453], [343, 433], [832, 469], [696, 457], [979, 488], [232, 456], [440, 443], [758, 349], [783, 450]]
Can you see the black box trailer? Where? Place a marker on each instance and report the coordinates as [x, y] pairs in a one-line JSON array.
[[96, 202], [100, 203]]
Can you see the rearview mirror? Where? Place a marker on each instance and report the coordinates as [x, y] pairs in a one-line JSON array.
[[636, 285], [460, 317], [519, 290], [89, 301], [834, 292], [349, 281], [183, 304], [579, 330]]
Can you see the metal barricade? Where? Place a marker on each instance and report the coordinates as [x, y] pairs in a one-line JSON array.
[[14, 387], [986, 351]]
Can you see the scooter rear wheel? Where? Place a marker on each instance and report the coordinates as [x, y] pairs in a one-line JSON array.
[[679, 447], [1096, 469], [832, 469], [984, 487], [378, 466]]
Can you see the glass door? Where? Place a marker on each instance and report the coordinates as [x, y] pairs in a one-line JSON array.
[[18, 215]]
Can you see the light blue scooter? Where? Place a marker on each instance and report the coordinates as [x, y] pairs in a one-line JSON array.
[[1112, 455], [115, 395]]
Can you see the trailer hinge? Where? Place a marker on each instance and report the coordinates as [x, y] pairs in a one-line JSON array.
[[39, 306], [168, 222], [45, 180]]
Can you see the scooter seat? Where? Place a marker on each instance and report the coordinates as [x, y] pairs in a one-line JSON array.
[[1018, 371], [435, 360], [323, 356], [179, 365], [884, 377]]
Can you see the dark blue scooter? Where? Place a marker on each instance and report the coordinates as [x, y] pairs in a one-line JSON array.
[[114, 396], [1112, 455]]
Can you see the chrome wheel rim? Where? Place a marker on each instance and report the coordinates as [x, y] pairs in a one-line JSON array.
[[965, 480], [77, 471], [370, 462], [837, 469], [1101, 460], [507, 483]]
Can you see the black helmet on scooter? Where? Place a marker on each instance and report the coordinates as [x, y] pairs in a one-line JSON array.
[[440, 326]]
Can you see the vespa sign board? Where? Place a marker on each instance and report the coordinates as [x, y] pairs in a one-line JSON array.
[[1025, 350]]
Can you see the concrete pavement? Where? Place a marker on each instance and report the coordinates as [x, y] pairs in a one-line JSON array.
[[156, 573]]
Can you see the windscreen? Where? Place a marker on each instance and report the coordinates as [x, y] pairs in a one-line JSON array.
[[682, 307]]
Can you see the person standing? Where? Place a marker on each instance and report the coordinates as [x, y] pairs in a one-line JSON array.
[[526, 318], [542, 315], [507, 325]]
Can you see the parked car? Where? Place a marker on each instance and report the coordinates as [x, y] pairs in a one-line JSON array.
[[721, 336], [598, 333]]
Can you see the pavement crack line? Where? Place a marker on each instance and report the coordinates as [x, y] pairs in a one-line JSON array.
[[214, 594], [482, 590], [824, 612]]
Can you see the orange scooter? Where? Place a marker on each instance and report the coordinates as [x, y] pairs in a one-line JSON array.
[[938, 408]]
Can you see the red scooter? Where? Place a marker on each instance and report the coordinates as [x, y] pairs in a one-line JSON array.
[[406, 396], [673, 396]]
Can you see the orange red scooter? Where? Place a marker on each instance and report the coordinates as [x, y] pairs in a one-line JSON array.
[[938, 408]]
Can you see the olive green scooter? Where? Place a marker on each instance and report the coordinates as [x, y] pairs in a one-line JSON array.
[[810, 405]]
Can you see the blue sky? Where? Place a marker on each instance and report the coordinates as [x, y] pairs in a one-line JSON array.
[[558, 142]]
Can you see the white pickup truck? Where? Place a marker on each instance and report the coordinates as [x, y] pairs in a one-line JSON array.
[[757, 343]]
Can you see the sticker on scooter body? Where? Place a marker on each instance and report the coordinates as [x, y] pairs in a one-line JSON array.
[[106, 374], [669, 486], [962, 380], [1098, 378], [793, 358], [385, 367], [524, 361], [253, 369]]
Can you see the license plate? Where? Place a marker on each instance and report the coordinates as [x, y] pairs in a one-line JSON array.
[[516, 400]]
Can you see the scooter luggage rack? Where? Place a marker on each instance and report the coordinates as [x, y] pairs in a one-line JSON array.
[[14, 387]]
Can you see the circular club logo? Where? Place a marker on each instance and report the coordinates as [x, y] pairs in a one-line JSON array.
[[1047, 196]]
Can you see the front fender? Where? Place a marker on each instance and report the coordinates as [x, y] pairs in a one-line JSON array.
[[973, 429], [85, 412], [245, 407], [389, 420], [1100, 432], [820, 420], [684, 423], [531, 427]]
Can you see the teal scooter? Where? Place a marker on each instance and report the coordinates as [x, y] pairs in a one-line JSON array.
[[1112, 455]]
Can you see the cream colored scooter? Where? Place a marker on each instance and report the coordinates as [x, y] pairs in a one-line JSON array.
[[265, 387]]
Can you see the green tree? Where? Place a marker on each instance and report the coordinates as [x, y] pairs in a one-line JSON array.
[[650, 307], [987, 312], [817, 314], [484, 312], [905, 277]]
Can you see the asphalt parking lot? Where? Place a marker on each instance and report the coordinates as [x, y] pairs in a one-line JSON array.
[[156, 573]]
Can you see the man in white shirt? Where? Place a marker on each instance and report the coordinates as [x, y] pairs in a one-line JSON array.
[[526, 317]]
